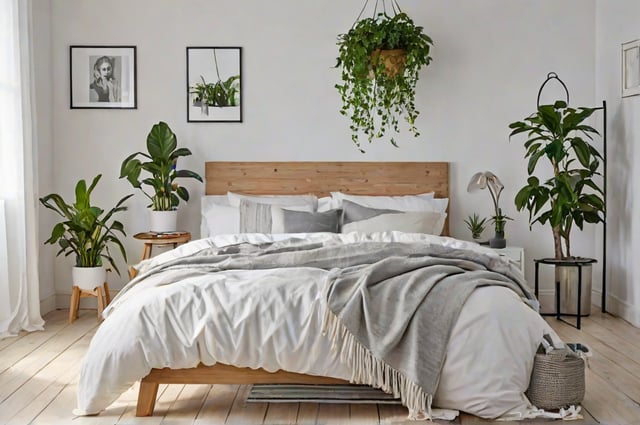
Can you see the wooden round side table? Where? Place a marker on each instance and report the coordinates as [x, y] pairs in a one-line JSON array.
[[160, 239]]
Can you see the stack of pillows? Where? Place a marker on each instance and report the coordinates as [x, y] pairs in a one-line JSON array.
[[340, 213]]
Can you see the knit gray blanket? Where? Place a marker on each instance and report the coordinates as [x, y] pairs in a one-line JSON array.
[[391, 320], [390, 306]]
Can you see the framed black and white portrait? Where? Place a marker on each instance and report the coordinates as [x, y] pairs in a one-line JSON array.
[[103, 77], [631, 68], [214, 84]]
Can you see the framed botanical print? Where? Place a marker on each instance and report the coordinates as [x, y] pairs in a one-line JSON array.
[[214, 84], [631, 68], [103, 77]]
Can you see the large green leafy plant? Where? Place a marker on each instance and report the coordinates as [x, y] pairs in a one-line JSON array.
[[162, 154], [372, 96], [86, 230], [570, 196]]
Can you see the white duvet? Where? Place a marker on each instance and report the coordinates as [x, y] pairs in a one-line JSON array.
[[251, 319]]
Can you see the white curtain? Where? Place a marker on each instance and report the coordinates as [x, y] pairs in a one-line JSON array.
[[19, 287]]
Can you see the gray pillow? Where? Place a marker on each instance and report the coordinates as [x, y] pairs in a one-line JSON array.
[[288, 221], [355, 212], [263, 218]]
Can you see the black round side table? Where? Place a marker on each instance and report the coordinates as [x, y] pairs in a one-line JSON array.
[[578, 262]]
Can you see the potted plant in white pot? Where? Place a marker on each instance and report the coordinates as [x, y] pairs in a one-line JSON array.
[[380, 59], [86, 231], [162, 155], [569, 196]]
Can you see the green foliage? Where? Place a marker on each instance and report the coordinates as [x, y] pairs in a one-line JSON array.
[[86, 230], [476, 225], [221, 93], [163, 154], [372, 97], [499, 220], [570, 196]]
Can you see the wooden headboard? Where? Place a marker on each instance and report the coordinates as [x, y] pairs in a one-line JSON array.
[[320, 178]]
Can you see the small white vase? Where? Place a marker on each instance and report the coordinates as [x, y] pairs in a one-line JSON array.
[[88, 278], [163, 221]]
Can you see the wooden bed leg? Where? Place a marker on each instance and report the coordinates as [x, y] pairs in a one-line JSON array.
[[147, 398]]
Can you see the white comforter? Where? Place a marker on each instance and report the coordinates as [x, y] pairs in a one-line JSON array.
[[251, 319]]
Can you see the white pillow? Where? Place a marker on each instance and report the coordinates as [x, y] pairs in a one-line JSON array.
[[218, 217], [421, 202], [280, 200], [429, 222]]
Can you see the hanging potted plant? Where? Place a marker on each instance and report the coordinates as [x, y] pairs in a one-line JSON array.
[[380, 59], [162, 154], [569, 196], [220, 94], [86, 231]]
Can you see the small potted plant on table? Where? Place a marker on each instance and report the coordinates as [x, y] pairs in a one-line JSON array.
[[162, 154]]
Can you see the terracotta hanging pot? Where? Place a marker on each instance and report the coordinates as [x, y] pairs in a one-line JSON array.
[[392, 60]]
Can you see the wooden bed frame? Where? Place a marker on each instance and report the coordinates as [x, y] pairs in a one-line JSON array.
[[319, 178]]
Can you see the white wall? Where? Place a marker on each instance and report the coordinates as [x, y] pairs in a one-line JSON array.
[[616, 24], [490, 58]]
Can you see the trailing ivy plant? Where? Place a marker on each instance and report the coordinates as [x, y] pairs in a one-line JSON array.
[[372, 97], [571, 195]]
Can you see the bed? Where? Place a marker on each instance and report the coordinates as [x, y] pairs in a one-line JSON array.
[[504, 399]]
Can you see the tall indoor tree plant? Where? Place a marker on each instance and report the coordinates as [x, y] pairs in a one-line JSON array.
[[162, 157], [571, 196], [380, 59]]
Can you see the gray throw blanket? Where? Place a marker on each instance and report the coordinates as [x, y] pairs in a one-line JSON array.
[[391, 320], [391, 306]]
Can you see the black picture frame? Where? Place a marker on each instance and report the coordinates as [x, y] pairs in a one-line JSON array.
[[215, 73], [89, 89]]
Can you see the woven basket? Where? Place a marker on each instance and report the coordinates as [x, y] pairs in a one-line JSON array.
[[557, 379]]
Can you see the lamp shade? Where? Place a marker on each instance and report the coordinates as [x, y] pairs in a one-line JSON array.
[[482, 180]]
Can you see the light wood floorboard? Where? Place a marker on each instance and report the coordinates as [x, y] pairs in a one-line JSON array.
[[39, 375]]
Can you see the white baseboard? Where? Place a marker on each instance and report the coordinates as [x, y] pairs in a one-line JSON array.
[[48, 304], [619, 308], [547, 298]]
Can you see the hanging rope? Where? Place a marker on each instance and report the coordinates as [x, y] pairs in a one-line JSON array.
[[215, 59], [395, 9], [360, 14], [552, 76]]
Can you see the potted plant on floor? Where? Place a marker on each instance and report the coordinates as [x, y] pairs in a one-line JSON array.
[[569, 196], [380, 58], [162, 157], [86, 231]]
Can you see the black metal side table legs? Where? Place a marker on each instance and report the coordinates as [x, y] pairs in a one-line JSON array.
[[579, 263]]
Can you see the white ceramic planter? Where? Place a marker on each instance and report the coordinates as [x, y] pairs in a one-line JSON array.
[[163, 221], [88, 277]]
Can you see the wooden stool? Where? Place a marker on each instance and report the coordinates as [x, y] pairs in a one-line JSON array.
[[100, 292]]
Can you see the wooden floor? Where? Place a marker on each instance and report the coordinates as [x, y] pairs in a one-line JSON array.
[[39, 373]]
